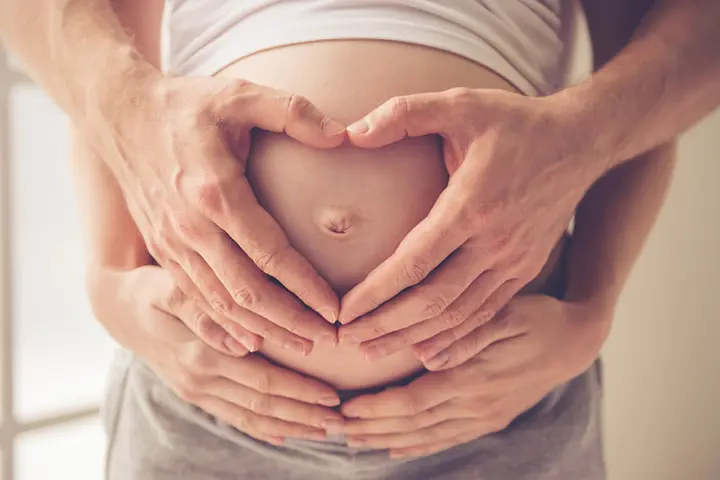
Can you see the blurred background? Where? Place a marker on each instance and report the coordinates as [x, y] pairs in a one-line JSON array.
[[662, 403]]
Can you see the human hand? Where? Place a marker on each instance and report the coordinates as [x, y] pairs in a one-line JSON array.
[[178, 152], [533, 345], [263, 400], [511, 194]]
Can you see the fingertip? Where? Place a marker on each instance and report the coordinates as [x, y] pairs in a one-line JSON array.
[[350, 410], [234, 347], [348, 312], [332, 129], [329, 400], [329, 313], [360, 127], [438, 362]]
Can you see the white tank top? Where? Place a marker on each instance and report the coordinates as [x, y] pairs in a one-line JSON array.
[[526, 41]]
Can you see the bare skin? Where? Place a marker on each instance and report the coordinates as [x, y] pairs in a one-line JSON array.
[[266, 166], [346, 209], [490, 237], [68, 45]]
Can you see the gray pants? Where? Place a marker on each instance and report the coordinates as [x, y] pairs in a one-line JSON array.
[[153, 435]]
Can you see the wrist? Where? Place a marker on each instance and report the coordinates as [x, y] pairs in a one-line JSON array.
[[121, 90], [589, 123]]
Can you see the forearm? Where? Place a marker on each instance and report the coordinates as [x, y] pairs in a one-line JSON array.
[[662, 82], [77, 50], [112, 239], [612, 223]]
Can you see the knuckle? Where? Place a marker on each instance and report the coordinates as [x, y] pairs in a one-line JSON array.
[[453, 317], [379, 330], [414, 271], [399, 106], [200, 359], [260, 404], [207, 196], [188, 386], [246, 297], [459, 95], [186, 227], [294, 321], [175, 299], [260, 382], [298, 106], [267, 260], [220, 305], [204, 325], [241, 85], [434, 304]]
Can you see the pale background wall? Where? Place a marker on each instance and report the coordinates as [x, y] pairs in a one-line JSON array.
[[662, 361]]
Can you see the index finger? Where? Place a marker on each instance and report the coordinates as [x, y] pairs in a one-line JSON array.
[[434, 297], [264, 377], [424, 248], [426, 392], [236, 211]]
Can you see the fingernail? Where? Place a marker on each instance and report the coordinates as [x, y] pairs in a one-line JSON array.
[[249, 344], [326, 339], [359, 127], [296, 346], [332, 423], [349, 339], [332, 128], [329, 401], [351, 411], [235, 347], [437, 361], [328, 314], [356, 442], [374, 352], [428, 352]]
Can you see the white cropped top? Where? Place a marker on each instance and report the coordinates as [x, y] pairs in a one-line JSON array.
[[526, 41]]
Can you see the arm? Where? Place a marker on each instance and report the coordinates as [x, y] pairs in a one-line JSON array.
[[657, 86], [535, 343], [193, 205], [143, 309], [113, 245], [67, 46], [615, 216], [611, 225]]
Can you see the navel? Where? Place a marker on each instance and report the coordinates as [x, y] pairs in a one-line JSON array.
[[335, 222]]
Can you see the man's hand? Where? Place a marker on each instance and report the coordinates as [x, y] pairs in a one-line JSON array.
[[512, 192], [263, 400], [178, 150], [533, 345]]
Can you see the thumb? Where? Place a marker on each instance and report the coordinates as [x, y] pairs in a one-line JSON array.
[[400, 117], [282, 112]]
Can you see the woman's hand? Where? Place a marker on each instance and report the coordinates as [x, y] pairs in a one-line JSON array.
[[178, 151], [142, 309], [533, 345], [514, 185]]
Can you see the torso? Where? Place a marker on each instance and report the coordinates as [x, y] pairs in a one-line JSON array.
[[347, 209]]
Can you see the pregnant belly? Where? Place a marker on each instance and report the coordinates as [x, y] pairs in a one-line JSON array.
[[347, 209]]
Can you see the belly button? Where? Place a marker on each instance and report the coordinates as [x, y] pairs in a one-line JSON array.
[[334, 221]]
